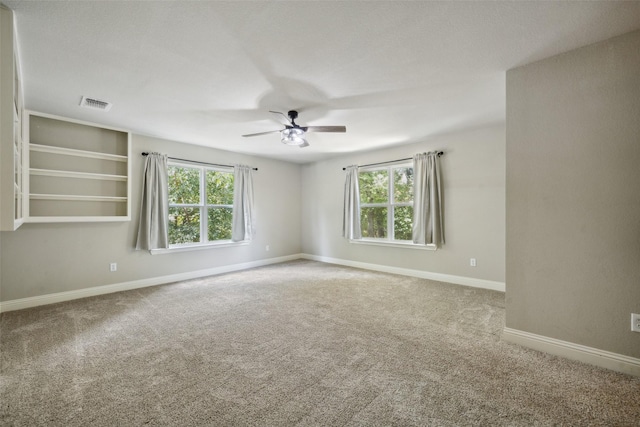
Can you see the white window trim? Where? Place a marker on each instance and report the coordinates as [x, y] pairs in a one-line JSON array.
[[185, 247], [198, 246], [405, 244], [390, 205]]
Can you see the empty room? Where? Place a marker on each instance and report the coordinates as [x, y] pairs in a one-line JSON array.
[[319, 213]]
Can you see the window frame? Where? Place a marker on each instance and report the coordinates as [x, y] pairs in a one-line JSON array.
[[203, 207], [391, 204]]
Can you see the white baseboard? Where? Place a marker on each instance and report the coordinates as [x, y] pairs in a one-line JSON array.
[[22, 303], [19, 304], [458, 280], [593, 356]]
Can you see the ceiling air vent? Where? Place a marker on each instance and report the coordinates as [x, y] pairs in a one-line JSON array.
[[96, 104]]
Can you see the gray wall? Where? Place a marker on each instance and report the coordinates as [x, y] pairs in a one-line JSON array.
[[40, 259], [1, 234], [474, 185], [573, 196]]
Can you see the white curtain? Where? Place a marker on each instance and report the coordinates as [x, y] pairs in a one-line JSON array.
[[351, 211], [428, 224], [243, 210], [154, 210]]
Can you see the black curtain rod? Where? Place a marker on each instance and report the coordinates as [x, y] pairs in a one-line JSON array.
[[439, 153], [195, 161]]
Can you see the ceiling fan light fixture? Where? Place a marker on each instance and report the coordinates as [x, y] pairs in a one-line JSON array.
[[293, 136]]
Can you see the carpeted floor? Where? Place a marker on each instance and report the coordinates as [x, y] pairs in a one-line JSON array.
[[294, 344]]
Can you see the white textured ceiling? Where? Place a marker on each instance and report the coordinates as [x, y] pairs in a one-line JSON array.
[[207, 72]]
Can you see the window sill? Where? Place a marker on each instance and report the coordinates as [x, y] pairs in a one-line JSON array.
[[198, 247], [398, 244]]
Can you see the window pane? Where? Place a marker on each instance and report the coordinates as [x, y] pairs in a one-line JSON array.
[[374, 222], [184, 225], [219, 188], [184, 185], [219, 223], [374, 186], [402, 222], [403, 185]]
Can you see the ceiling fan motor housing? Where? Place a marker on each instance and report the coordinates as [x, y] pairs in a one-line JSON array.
[[294, 134]]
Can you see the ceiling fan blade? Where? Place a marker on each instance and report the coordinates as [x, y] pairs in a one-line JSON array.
[[282, 114], [263, 133], [326, 128]]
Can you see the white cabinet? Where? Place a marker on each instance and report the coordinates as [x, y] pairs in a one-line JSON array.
[[78, 171], [11, 137]]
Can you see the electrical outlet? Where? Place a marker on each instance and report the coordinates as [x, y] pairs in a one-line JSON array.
[[472, 262], [113, 267], [635, 322], [267, 248]]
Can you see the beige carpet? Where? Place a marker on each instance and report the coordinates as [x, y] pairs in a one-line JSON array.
[[294, 344]]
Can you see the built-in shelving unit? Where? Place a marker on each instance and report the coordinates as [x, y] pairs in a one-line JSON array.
[[54, 169], [11, 135], [78, 171]]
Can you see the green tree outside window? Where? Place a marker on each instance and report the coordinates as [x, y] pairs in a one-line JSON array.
[[200, 204], [386, 205]]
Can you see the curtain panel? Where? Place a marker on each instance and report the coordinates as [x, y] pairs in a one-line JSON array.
[[154, 211], [428, 223], [243, 208], [351, 210]]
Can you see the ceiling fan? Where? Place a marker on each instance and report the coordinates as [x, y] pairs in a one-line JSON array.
[[293, 133]]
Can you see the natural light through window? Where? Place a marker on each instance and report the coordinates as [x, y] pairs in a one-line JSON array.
[[200, 204], [386, 203]]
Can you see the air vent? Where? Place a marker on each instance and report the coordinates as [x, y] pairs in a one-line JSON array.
[[96, 104]]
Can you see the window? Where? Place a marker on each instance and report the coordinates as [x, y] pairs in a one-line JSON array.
[[386, 202], [200, 204]]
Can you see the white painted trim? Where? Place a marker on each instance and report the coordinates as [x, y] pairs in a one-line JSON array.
[[393, 243], [22, 303], [77, 197], [77, 153], [77, 175], [198, 246], [80, 122], [593, 356], [458, 280]]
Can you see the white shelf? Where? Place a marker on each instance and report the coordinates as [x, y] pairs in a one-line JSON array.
[[71, 219], [77, 198], [73, 173], [78, 175], [77, 153]]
